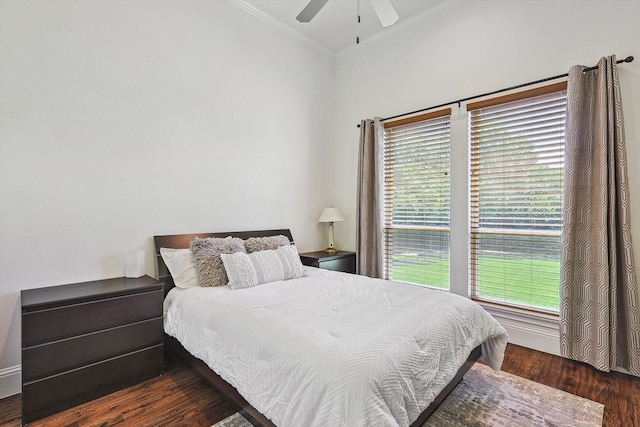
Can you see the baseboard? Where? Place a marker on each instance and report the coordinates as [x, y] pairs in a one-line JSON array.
[[10, 381], [538, 332]]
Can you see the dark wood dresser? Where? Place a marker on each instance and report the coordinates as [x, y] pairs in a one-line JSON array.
[[340, 261], [85, 340]]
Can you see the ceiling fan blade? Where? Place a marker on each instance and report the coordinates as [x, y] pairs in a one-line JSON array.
[[311, 10], [386, 12]]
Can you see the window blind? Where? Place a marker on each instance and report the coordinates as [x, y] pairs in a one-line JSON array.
[[517, 161], [416, 199]]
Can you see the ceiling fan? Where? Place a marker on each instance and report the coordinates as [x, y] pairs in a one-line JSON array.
[[383, 8]]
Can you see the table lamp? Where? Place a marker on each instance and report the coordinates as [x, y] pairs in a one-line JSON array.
[[331, 215]]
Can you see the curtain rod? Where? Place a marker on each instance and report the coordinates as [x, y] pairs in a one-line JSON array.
[[627, 59]]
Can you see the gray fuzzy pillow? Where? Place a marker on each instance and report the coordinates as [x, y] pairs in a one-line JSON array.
[[257, 244], [206, 258]]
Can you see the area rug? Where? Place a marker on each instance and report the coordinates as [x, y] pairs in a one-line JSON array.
[[486, 398]]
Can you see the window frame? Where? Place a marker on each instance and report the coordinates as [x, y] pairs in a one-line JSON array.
[[388, 226], [475, 231]]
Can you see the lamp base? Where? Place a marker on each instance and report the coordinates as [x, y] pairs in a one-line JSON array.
[[330, 251]]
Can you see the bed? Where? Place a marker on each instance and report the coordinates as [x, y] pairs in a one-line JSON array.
[[335, 366]]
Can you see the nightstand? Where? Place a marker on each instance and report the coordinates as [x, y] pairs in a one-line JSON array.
[[86, 340], [340, 261]]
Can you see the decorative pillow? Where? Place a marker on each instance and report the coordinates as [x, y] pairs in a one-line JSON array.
[[245, 271], [206, 257], [256, 244], [181, 267]]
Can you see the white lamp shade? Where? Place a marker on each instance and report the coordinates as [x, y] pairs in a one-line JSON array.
[[331, 215]]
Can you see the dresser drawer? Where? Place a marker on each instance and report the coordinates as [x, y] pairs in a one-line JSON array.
[[58, 392], [51, 358], [342, 264], [340, 261], [40, 326]]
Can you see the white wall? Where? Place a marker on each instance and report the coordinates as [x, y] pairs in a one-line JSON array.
[[120, 120], [474, 47]]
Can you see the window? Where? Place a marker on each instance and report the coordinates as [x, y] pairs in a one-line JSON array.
[[416, 199], [517, 160]]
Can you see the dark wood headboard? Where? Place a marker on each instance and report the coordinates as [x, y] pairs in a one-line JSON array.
[[182, 241]]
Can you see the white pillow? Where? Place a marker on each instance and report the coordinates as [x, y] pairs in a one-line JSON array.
[[247, 270], [181, 267]]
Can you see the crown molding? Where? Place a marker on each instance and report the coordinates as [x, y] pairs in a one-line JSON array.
[[401, 25], [280, 26]]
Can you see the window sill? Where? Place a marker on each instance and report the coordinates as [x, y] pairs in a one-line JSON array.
[[521, 312]]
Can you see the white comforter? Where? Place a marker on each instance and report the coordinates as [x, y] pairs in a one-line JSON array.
[[333, 349]]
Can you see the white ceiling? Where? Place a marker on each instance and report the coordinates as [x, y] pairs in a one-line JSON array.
[[335, 27]]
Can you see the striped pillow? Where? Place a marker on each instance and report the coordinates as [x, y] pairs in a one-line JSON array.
[[247, 270]]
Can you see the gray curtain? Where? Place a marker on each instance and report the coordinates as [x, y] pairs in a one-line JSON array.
[[369, 210], [599, 311]]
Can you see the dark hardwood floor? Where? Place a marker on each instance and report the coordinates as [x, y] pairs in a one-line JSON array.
[[178, 398], [181, 398], [619, 393]]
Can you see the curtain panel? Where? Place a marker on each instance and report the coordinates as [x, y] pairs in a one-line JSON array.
[[369, 205], [599, 310]]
